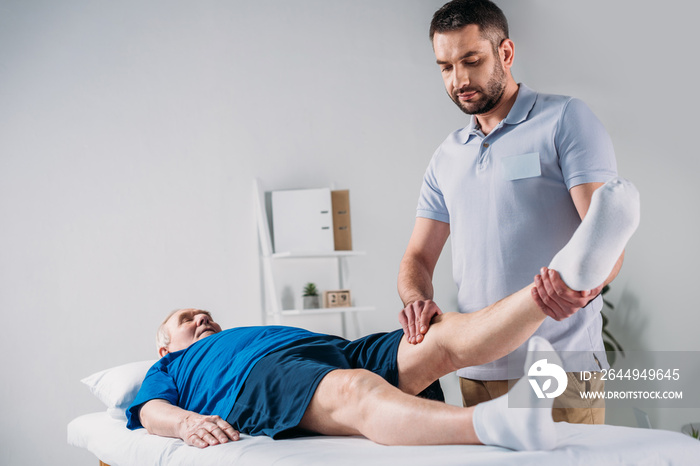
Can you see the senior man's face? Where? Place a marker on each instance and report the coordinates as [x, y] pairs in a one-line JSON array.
[[188, 326]]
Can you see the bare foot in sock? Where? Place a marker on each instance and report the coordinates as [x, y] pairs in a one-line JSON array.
[[520, 420]]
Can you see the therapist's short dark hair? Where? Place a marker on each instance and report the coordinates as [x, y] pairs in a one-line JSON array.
[[458, 14]]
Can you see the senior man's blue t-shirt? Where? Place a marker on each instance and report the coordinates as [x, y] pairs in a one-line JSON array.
[[207, 376]]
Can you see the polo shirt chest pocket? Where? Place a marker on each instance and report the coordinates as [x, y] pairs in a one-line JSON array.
[[518, 167]]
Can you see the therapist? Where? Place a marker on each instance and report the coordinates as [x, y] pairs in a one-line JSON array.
[[510, 188]]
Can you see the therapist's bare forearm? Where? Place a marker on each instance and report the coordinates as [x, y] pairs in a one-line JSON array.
[[415, 282]]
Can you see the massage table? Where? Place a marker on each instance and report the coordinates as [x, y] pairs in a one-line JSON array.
[[105, 435]]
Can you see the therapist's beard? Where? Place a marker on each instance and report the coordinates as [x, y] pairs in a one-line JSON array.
[[490, 97]]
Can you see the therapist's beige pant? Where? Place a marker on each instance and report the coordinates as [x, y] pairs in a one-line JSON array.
[[590, 411]]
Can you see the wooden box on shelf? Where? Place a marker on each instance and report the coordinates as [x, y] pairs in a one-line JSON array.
[[336, 298]]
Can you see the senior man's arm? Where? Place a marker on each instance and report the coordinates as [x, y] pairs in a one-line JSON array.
[[162, 418]]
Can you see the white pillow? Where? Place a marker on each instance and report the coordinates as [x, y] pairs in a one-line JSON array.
[[117, 387]]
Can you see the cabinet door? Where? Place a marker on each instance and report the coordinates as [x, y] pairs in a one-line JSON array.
[[302, 220]]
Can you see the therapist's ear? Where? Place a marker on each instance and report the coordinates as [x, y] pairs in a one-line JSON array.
[[162, 351], [506, 51]]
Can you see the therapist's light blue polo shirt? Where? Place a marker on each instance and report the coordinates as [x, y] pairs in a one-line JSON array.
[[506, 198]]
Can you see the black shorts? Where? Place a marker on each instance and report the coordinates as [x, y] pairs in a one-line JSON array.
[[280, 386]]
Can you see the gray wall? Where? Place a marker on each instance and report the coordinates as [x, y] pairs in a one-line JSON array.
[[130, 133]]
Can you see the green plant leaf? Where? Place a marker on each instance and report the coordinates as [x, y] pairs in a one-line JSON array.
[[612, 346], [612, 354], [611, 339], [310, 290]]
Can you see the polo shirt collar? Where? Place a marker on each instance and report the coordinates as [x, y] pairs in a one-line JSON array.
[[522, 106], [518, 113]]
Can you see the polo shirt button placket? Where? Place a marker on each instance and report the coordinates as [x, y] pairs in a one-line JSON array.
[[483, 156]]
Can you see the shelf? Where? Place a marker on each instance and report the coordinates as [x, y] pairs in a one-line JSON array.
[[326, 310], [273, 269], [315, 254]]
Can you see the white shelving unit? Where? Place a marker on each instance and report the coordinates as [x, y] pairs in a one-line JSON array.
[[273, 311]]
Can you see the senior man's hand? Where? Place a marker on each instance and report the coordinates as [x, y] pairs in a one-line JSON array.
[[556, 299], [202, 431], [415, 319]]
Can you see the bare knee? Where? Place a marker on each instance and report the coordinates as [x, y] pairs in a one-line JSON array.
[[341, 402], [461, 340], [422, 364], [357, 385], [358, 395]]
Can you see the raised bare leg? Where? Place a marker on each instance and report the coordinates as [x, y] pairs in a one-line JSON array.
[[462, 340]]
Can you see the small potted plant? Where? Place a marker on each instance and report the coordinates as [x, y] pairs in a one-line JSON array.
[[310, 296]]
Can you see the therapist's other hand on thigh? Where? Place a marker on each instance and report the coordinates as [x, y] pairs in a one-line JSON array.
[[415, 319], [556, 299]]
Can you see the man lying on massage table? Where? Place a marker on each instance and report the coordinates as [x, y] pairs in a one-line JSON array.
[[282, 381]]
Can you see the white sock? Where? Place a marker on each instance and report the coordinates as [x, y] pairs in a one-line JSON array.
[[588, 258], [529, 427]]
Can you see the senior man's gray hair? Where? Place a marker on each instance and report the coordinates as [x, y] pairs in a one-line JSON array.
[[163, 335]]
